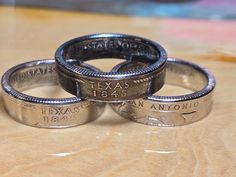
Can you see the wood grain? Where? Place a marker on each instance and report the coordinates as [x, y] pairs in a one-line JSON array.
[[112, 146]]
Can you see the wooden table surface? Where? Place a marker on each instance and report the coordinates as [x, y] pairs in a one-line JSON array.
[[112, 146]]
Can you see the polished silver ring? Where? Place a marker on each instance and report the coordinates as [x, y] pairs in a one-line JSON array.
[[172, 110], [43, 112], [111, 86]]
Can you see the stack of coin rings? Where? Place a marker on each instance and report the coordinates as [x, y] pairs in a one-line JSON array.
[[129, 87]]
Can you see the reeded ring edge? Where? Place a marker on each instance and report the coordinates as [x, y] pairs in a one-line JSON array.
[[83, 71], [8, 89]]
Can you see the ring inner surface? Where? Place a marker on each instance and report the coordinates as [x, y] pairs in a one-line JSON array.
[[177, 73], [33, 76], [185, 76], [123, 48]]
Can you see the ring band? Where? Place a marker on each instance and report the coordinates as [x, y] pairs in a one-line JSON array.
[[43, 112], [173, 110], [111, 86]]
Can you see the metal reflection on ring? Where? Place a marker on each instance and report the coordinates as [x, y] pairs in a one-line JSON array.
[[43, 112], [172, 110], [111, 86]]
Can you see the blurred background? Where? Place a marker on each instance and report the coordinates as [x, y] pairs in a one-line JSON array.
[[203, 29], [205, 9], [200, 29]]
